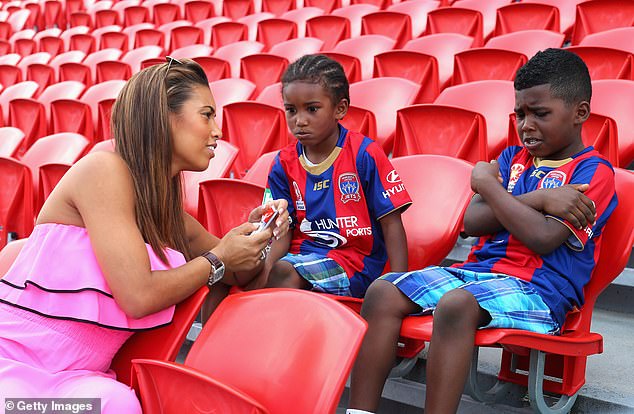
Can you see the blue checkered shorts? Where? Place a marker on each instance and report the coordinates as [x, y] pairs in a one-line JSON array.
[[511, 302], [322, 272]]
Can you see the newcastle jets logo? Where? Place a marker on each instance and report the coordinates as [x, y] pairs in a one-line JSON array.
[[553, 179], [349, 187]]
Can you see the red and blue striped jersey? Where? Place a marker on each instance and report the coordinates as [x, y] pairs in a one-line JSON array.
[[336, 204], [558, 277]]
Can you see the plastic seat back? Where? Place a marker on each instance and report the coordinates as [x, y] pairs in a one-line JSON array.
[[165, 12], [259, 171], [300, 16], [326, 5], [218, 216], [604, 63], [192, 51], [360, 120], [365, 48], [16, 200], [72, 115], [112, 70], [308, 326], [41, 73], [10, 140], [161, 343], [233, 52], [330, 29], [29, 116], [619, 38], [525, 16], [395, 25], [241, 120], [442, 184], [494, 99], [273, 31], [262, 69], [252, 21], [8, 254], [215, 68], [134, 57], [440, 130], [234, 9], [355, 13], [442, 46], [463, 21], [186, 36], [596, 16], [24, 89], [277, 7], [10, 75], [99, 98], [227, 91], [197, 10], [149, 37], [78, 72], [415, 66], [219, 167], [486, 64], [293, 49], [417, 11], [272, 95], [615, 98], [49, 176], [369, 94], [527, 42]]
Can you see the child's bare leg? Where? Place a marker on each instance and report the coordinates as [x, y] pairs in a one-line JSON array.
[[456, 319], [384, 307], [284, 275]]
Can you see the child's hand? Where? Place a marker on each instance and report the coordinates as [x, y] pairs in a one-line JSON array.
[[485, 173], [569, 203]]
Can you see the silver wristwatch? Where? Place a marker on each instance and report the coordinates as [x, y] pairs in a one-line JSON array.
[[217, 268]]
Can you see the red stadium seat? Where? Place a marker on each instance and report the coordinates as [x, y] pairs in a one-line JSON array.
[[135, 14], [262, 69], [440, 130], [197, 10], [40, 57], [234, 9], [278, 7], [326, 5], [527, 42], [185, 36], [370, 94], [395, 25], [351, 65], [192, 51], [134, 57], [272, 95], [293, 49], [553, 363], [100, 98], [381, 4], [10, 75], [596, 16], [226, 91], [111, 70], [615, 98], [300, 16], [208, 24], [10, 140], [72, 115], [49, 176], [101, 56], [52, 45], [106, 17], [417, 11], [567, 10], [467, 22], [16, 200], [274, 31], [215, 68], [116, 40], [360, 120], [328, 28], [149, 37], [487, 8], [226, 33], [355, 13], [259, 171], [75, 72], [365, 48], [618, 38], [24, 89], [485, 64], [84, 42], [442, 46], [165, 12], [234, 52], [241, 119], [107, 145], [515, 17], [494, 99], [417, 67], [219, 167], [252, 21], [161, 343], [604, 63], [80, 18], [268, 317]]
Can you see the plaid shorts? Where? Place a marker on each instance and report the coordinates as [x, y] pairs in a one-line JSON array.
[[322, 272], [511, 302]]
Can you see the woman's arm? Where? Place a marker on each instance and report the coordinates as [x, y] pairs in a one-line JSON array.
[[107, 208], [395, 241]]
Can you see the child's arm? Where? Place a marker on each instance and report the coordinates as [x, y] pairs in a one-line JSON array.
[[539, 233], [567, 202], [279, 248], [395, 241]]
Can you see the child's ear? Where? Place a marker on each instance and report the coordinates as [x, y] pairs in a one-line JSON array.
[[341, 109], [582, 112]]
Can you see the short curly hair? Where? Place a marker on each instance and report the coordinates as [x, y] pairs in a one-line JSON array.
[[322, 70]]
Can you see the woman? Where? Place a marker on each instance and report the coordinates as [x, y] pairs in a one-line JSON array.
[[112, 250]]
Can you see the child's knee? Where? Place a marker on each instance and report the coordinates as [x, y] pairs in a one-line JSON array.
[[283, 274], [456, 306], [383, 298]]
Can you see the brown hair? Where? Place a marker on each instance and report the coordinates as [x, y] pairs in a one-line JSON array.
[[141, 127]]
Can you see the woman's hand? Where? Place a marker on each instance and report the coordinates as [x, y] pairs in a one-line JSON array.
[[241, 249], [281, 223]]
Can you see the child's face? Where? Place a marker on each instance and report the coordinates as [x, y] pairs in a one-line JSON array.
[[547, 126], [311, 114]]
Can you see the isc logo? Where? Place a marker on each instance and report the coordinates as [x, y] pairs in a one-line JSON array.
[[321, 185]]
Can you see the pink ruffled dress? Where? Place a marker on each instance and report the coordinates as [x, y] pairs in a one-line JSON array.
[[59, 324]]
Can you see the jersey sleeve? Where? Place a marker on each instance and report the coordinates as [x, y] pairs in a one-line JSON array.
[[600, 177], [504, 162], [383, 188], [278, 187]]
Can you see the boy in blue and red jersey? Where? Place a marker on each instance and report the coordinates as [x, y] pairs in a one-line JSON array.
[[344, 196], [539, 211]]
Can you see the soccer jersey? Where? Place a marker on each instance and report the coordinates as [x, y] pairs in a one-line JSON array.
[[336, 204], [558, 277]]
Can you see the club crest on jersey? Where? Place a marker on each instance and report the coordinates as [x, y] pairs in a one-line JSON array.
[[299, 201], [349, 187], [553, 179], [393, 177], [516, 172]]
